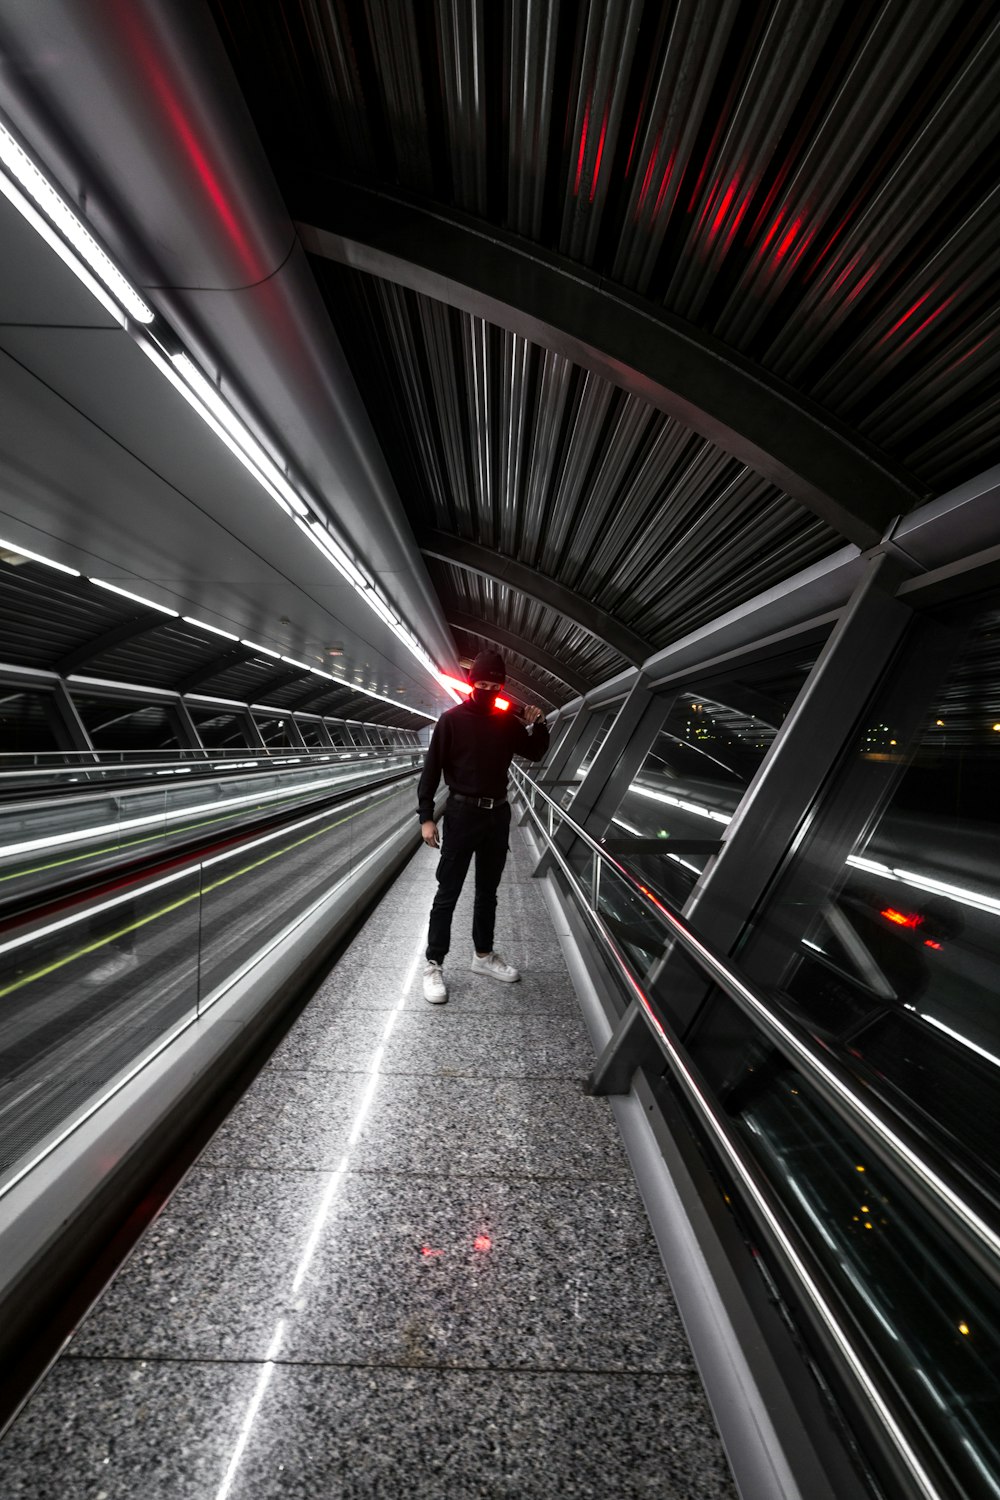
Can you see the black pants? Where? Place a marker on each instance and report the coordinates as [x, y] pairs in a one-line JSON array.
[[468, 831]]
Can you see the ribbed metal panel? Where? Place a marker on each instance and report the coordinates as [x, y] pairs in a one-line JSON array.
[[45, 615], [159, 658], [498, 441], [814, 184]]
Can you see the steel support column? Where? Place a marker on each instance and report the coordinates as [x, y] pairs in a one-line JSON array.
[[805, 750], [186, 727], [68, 724], [563, 755], [625, 747]]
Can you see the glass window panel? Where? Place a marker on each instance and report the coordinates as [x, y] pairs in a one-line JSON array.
[[220, 729], [118, 724], [26, 724], [884, 928]]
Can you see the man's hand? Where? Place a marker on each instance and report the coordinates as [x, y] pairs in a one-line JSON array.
[[532, 714], [429, 834]]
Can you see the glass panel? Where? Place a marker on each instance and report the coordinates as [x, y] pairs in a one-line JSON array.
[[219, 729], [116, 724], [704, 758], [25, 725], [594, 744], [276, 733], [931, 1317], [885, 930]]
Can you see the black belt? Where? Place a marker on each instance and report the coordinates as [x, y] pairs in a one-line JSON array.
[[487, 802]]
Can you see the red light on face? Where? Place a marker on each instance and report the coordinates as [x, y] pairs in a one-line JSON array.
[[427, 1250], [901, 918], [482, 1242], [930, 943]]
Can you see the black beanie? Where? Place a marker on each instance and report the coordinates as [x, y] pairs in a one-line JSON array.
[[488, 667]]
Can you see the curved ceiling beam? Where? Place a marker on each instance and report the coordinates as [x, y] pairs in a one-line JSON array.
[[635, 344], [511, 642], [544, 590]]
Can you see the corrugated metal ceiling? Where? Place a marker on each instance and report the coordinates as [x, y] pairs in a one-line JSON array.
[[812, 184]]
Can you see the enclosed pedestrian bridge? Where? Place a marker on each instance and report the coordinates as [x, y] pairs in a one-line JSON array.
[[654, 346]]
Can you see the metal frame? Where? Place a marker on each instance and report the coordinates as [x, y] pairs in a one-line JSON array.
[[515, 575], [490, 631], [555, 302]]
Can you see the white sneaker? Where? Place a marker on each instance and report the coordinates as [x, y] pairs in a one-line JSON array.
[[494, 966], [434, 985]]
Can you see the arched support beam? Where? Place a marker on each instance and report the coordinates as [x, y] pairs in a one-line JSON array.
[[555, 302], [511, 642], [543, 590]]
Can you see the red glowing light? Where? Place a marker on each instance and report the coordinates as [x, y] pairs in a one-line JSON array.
[[930, 943], [482, 1242], [426, 1250], [644, 190], [668, 173], [787, 238], [723, 208], [901, 918], [908, 314], [466, 687], [600, 153], [583, 149]]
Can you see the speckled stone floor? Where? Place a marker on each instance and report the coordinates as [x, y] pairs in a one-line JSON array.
[[412, 1262]]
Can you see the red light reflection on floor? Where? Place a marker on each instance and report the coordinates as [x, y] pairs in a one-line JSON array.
[[930, 943], [427, 1250], [482, 1242]]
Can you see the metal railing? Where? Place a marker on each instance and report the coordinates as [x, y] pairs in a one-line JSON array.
[[915, 1460], [843, 1086]]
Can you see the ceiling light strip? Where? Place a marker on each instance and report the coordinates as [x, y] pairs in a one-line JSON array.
[[66, 233], [114, 588], [38, 558]]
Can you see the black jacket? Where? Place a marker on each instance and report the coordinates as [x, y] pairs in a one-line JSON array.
[[474, 750]]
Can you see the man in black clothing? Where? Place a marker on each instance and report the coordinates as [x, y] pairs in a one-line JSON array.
[[473, 745]]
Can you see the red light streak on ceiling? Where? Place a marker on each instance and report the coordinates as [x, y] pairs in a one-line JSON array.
[[647, 178], [771, 232], [600, 153], [928, 320], [631, 149], [151, 69], [901, 918], [723, 208], [583, 149], [668, 173], [859, 288], [908, 314], [787, 239]]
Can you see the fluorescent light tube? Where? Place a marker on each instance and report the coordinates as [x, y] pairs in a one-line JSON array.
[[238, 431], [207, 416], [37, 557], [102, 583], [265, 650], [92, 258], [190, 620]]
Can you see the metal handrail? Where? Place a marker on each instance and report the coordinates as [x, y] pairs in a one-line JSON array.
[[781, 1231], [827, 1074]]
